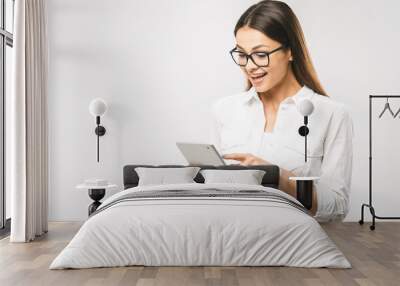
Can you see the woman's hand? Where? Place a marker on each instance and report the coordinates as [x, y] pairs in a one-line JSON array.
[[246, 159]]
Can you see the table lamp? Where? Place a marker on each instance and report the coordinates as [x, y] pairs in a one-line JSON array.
[[304, 185]]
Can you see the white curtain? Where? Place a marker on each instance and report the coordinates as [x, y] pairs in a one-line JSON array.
[[28, 123]]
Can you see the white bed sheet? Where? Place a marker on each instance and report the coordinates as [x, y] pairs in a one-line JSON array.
[[193, 231]]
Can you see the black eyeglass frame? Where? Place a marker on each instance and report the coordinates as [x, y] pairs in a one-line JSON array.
[[251, 56]]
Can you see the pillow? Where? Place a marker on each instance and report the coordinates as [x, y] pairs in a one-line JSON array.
[[249, 177], [162, 176]]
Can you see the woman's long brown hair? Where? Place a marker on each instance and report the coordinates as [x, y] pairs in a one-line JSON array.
[[277, 21]]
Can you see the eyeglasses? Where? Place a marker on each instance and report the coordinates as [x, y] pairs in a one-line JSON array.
[[260, 59]]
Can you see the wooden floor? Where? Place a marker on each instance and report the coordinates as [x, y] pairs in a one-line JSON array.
[[375, 257]]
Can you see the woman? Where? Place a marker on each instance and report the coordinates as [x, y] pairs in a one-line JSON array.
[[260, 125]]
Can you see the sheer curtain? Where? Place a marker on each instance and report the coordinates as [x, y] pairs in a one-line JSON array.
[[28, 160]]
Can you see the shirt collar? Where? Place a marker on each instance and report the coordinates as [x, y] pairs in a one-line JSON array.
[[304, 92]]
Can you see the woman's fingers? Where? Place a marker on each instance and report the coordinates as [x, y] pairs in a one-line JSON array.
[[246, 159], [236, 156], [247, 162]]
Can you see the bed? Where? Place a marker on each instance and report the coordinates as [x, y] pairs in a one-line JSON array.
[[201, 224]]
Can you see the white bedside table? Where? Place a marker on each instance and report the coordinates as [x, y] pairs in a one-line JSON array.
[[96, 193]]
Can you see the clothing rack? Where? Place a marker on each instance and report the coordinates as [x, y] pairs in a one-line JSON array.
[[369, 205]]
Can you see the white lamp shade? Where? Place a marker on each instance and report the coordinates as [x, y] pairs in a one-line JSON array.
[[97, 107], [305, 107]]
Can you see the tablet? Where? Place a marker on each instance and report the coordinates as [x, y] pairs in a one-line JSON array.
[[200, 154]]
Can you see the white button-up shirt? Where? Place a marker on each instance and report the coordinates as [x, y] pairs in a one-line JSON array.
[[239, 127]]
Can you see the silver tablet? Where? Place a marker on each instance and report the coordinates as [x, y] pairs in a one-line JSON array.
[[200, 154]]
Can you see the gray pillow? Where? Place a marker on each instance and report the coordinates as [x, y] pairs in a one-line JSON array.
[[163, 176], [249, 177]]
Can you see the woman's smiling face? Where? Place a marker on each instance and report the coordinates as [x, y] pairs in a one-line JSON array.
[[249, 40]]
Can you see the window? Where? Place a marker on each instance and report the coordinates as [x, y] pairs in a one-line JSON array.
[[6, 44]]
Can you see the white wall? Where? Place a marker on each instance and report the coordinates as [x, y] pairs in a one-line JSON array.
[[160, 65]]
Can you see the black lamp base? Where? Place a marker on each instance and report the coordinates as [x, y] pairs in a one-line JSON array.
[[304, 192], [303, 130], [100, 130], [96, 195]]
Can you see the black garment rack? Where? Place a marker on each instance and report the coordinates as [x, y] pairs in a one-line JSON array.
[[369, 205]]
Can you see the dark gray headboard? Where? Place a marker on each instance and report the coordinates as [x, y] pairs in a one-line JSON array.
[[270, 179]]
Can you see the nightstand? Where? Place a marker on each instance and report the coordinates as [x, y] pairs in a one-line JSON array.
[[304, 190], [96, 193]]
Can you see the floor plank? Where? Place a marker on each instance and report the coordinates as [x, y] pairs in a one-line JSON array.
[[374, 255]]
